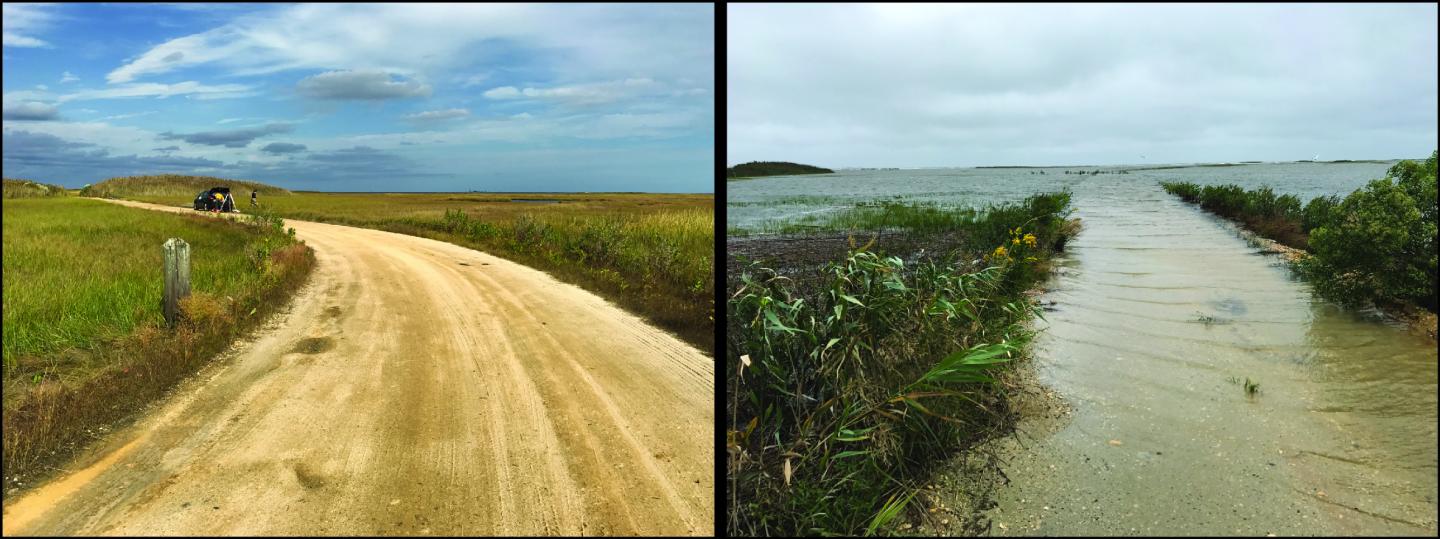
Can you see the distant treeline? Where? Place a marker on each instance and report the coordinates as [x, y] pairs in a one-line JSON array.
[[1377, 245], [772, 168]]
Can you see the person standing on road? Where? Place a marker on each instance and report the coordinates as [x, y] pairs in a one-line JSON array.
[[252, 198]]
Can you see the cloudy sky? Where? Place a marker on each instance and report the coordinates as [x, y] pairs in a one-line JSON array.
[[974, 85], [361, 97]]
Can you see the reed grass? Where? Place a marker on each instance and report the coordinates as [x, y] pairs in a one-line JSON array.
[[16, 188], [844, 390]]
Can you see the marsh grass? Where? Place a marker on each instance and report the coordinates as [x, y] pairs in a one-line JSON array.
[[84, 344], [15, 188], [175, 186], [845, 389]]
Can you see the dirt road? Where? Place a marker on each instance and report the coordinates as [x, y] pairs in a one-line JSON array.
[[415, 387]]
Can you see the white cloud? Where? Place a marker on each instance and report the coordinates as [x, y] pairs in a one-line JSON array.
[[437, 115], [23, 19], [593, 42], [131, 115], [67, 77], [31, 111], [1076, 83], [475, 80], [155, 89], [119, 140], [42, 87], [503, 92], [589, 94]]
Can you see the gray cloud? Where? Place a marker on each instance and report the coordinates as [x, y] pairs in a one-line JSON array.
[[31, 111], [238, 138], [359, 85], [282, 148], [960, 85], [52, 159], [168, 149]]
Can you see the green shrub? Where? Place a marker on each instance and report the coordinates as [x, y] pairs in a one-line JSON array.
[[1379, 243], [1187, 191], [1317, 212]]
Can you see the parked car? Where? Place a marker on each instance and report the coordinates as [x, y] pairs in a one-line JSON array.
[[215, 199]]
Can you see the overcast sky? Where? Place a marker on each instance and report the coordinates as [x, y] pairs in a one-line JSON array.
[[359, 97], [1026, 84]]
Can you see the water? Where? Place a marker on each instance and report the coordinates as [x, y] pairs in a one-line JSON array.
[[752, 204], [1158, 307]]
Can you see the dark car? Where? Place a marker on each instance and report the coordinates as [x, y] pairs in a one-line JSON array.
[[206, 200]]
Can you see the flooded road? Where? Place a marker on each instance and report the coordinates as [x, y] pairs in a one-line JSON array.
[[1161, 314]]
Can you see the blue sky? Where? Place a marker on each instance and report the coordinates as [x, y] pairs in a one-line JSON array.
[[364, 97]]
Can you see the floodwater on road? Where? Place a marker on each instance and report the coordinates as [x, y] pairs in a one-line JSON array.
[[1161, 314]]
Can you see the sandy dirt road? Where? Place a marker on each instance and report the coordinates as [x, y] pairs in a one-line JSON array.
[[415, 387]]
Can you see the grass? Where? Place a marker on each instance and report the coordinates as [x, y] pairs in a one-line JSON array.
[[84, 344], [844, 389], [15, 188], [652, 254], [174, 185]]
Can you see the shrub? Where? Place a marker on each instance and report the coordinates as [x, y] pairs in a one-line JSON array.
[[1379, 244], [1317, 212]]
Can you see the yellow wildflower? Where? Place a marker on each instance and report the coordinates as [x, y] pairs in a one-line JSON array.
[[1000, 252], [1015, 241], [1030, 240]]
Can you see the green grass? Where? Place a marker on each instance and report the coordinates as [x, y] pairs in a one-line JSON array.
[[81, 272], [651, 253], [84, 338], [859, 381], [30, 189]]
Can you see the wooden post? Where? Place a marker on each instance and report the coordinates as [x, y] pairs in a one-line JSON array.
[[177, 277]]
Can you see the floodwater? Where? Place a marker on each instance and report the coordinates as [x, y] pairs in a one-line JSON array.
[[753, 204], [1159, 307], [1160, 314]]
